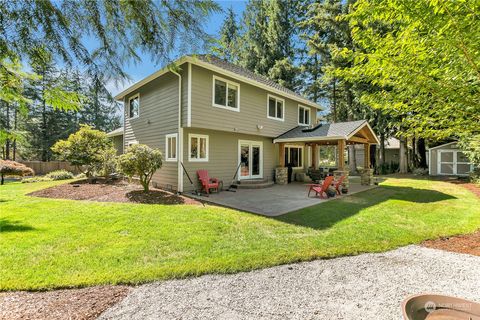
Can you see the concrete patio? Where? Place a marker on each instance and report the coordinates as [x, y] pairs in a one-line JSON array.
[[275, 200]]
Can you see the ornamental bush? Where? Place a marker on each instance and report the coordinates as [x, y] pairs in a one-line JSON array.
[[142, 161], [88, 149], [59, 175], [13, 168]]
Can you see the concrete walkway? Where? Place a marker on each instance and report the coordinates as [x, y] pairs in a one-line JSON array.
[[367, 286], [275, 200]]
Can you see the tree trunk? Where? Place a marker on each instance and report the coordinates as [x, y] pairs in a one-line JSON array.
[[382, 149], [15, 140], [373, 158], [422, 153], [7, 127], [334, 105], [414, 157], [403, 155], [2, 180]]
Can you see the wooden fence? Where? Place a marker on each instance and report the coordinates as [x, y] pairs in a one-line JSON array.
[[42, 168]]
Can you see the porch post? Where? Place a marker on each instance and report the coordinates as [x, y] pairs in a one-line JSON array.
[[341, 165], [281, 173], [341, 154], [367, 174], [315, 156], [366, 156], [282, 154]]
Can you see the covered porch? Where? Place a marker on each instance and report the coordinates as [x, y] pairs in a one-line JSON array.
[[339, 135]]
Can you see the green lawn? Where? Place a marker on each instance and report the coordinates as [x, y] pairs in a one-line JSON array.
[[47, 243]]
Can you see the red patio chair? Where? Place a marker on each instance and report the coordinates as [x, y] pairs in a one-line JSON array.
[[337, 184], [321, 189], [207, 182]]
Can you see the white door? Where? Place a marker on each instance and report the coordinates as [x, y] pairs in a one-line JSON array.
[[250, 157], [452, 163]]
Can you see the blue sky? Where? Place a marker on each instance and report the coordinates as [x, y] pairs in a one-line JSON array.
[[146, 66]]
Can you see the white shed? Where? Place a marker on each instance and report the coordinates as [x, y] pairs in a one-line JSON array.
[[448, 160]]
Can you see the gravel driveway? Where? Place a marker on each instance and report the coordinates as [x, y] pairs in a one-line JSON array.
[[367, 286]]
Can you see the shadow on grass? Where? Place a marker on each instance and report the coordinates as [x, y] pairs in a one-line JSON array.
[[325, 215], [13, 226]]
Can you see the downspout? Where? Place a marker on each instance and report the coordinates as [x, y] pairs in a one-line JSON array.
[[180, 135]]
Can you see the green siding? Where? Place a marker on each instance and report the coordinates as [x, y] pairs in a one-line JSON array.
[[253, 108], [223, 156], [158, 117]]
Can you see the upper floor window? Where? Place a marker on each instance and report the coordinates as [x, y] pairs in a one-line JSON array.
[[275, 108], [303, 115], [197, 147], [134, 106], [226, 94], [171, 147]]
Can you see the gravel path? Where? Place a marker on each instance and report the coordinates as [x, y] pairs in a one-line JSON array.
[[367, 286]]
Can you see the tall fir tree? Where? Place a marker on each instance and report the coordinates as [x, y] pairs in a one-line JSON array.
[[227, 46], [267, 42]]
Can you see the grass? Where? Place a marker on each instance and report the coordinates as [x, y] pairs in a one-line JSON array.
[[49, 243]]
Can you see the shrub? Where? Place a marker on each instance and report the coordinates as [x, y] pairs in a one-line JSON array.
[[470, 145], [142, 161], [13, 168], [59, 175], [87, 148], [475, 176], [420, 171], [36, 179]]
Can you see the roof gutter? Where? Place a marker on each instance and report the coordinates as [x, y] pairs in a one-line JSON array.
[[308, 139]]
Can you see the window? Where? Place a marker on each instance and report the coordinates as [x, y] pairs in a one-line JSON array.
[[275, 108], [303, 115], [294, 156], [197, 147], [134, 106], [226, 94], [171, 147]]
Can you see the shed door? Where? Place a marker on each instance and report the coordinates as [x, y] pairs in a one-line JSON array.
[[452, 163]]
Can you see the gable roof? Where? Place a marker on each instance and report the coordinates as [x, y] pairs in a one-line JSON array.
[[443, 145], [325, 131], [226, 68]]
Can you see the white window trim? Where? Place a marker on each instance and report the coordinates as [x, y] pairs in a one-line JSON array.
[[227, 82], [167, 154], [287, 152], [137, 95], [194, 135], [250, 145], [283, 107], [304, 108]]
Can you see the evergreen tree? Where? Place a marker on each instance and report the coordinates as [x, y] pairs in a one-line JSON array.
[[227, 47], [269, 31]]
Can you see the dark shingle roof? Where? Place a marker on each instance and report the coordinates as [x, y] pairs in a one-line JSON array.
[[323, 130], [245, 72]]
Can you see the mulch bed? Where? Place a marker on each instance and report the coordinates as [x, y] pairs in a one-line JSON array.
[[86, 303], [475, 188], [108, 191], [468, 243]]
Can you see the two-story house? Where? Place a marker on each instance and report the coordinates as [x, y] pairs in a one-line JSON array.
[[209, 114]]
